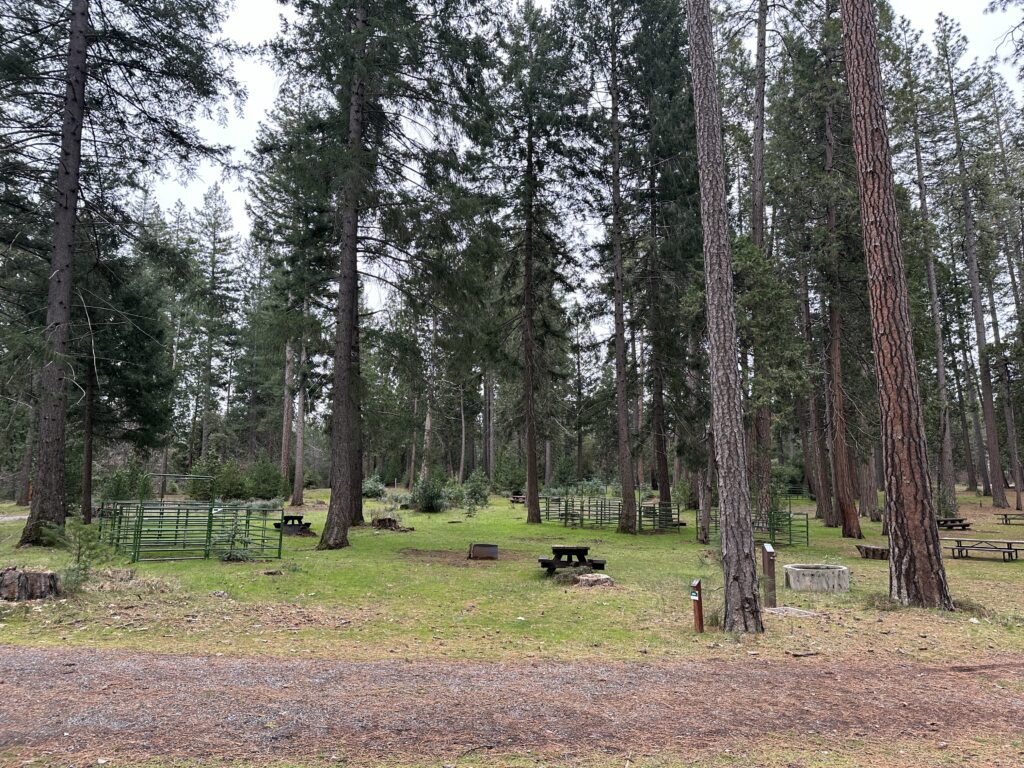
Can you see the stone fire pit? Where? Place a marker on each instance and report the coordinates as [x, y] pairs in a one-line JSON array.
[[817, 577]]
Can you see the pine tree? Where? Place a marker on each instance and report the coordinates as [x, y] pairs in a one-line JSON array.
[[916, 573], [742, 603]]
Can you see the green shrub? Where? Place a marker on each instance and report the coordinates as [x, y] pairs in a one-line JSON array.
[[264, 480], [477, 489], [454, 495], [203, 490], [374, 488], [590, 488], [428, 495], [86, 547], [229, 482]]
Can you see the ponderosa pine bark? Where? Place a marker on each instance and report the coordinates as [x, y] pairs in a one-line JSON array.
[[742, 602], [346, 454], [916, 572], [48, 500]]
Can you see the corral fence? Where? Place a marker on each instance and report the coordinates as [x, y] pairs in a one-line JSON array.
[[186, 530], [782, 524], [599, 512]]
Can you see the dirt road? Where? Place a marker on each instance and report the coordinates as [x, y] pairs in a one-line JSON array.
[[74, 703]]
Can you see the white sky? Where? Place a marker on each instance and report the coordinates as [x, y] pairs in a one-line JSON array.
[[256, 21]]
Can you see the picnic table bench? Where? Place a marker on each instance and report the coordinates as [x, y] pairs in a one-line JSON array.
[[953, 523], [515, 499], [1011, 518], [1008, 550], [569, 556]]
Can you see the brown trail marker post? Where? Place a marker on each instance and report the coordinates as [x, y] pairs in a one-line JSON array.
[[768, 566], [697, 598]]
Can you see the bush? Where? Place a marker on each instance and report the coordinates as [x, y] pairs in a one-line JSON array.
[[373, 488], [203, 490], [454, 495], [428, 495], [264, 480], [477, 489], [86, 547], [590, 488], [131, 482], [229, 482]]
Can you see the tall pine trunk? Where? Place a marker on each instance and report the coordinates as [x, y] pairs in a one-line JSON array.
[[529, 330], [947, 505], [916, 573], [627, 513], [965, 433], [971, 253], [1007, 401], [287, 412], [346, 445], [48, 501], [842, 487], [410, 472], [824, 509], [762, 459], [742, 602], [299, 480], [972, 399]]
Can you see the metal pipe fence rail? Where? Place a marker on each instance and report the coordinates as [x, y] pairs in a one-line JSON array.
[[782, 524], [183, 530], [599, 512]]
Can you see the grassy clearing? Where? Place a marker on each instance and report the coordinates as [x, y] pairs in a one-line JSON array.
[[414, 595]]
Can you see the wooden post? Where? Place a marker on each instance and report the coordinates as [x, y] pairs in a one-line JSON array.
[[697, 598], [768, 566]]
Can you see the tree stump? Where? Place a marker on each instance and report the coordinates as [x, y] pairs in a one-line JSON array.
[[17, 585]]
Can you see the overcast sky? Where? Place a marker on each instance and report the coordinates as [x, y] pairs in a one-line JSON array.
[[256, 21]]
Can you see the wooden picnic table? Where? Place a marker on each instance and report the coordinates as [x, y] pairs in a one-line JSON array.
[[569, 556], [1011, 518], [292, 525], [962, 547], [953, 523]]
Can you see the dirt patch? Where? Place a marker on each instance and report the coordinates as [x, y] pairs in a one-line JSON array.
[[460, 559], [133, 706]]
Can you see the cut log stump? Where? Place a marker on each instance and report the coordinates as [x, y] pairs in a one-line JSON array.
[[17, 585]]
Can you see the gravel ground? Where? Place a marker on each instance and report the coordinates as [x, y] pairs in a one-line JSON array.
[[80, 704]]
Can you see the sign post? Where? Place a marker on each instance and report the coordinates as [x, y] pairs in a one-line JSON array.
[[697, 598], [768, 565]]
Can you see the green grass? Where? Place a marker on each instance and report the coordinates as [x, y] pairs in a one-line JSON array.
[[414, 595]]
